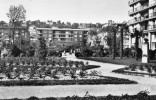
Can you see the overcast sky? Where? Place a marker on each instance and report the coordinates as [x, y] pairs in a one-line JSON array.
[[81, 11]]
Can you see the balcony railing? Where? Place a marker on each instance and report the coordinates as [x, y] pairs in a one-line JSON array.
[[141, 19], [141, 8], [138, 9], [151, 27], [136, 20], [133, 1], [152, 15]]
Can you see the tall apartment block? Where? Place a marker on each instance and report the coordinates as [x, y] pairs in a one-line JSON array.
[[143, 13], [63, 36]]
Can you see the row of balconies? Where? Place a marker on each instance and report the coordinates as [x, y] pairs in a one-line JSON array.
[[141, 8], [146, 29], [142, 19], [64, 40], [130, 2]]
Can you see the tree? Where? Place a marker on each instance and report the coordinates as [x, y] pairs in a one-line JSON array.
[[123, 27], [112, 29], [75, 25], [42, 49], [93, 36], [16, 14], [137, 34]]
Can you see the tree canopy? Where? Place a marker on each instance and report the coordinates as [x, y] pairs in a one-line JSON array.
[[17, 13]]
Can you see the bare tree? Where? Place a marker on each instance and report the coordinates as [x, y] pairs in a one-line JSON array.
[[16, 14]]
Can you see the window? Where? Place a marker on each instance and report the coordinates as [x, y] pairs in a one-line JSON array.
[[70, 35], [50, 31], [50, 35], [44, 31]]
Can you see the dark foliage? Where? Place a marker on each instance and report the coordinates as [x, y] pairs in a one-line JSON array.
[[15, 51], [107, 80], [142, 95], [152, 54], [54, 53], [33, 98], [42, 50]]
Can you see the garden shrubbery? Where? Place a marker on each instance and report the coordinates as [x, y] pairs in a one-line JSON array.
[[142, 95], [152, 54], [103, 80], [138, 69]]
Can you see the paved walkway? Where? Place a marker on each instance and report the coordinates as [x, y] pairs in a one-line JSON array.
[[144, 83]]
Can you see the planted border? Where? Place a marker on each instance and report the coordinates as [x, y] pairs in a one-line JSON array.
[[104, 80], [131, 70]]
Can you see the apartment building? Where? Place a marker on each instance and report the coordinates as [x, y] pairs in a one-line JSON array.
[[6, 34], [143, 14], [63, 36]]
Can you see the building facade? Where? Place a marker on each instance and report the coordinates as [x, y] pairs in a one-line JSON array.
[[143, 14], [63, 36], [6, 34]]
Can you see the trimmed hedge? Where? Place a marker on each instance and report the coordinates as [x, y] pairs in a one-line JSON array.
[[142, 95], [106, 80], [133, 67]]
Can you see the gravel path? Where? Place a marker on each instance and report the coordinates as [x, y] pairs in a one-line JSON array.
[[144, 83]]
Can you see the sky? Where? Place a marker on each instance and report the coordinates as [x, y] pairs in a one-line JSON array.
[[80, 11]]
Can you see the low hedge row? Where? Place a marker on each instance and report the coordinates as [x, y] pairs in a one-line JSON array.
[[143, 95], [106, 80], [141, 67]]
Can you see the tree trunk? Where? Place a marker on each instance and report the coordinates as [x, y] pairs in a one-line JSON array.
[[114, 45], [121, 44], [13, 35], [136, 47]]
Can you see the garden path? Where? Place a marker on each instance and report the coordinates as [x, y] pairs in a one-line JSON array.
[[144, 83]]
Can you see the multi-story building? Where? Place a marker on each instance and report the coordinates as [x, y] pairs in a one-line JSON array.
[[6, 34], [143, 13], [63, 36]]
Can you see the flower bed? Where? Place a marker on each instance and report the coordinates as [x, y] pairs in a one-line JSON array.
[[52, 71], [138, 69], [49, 69]]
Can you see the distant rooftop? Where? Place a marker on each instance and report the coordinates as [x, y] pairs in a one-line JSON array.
[[64, 29]]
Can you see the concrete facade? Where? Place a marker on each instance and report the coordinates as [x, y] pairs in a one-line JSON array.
[[143, 13], [63, 36]]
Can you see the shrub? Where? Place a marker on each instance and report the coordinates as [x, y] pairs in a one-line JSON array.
[[143, 95], [127, 52], [33, 98], [152, 54], [42, 49], [87, 53], [15, 51], [133, 67], [141, 67], [139, 53]]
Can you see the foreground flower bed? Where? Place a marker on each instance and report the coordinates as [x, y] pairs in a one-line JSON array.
[[138, 69], [101, 80], [49, 69], [143, 95]]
